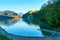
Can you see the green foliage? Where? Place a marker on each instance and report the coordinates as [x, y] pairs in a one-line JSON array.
[[51, 14], [48, 16], [3, 38]]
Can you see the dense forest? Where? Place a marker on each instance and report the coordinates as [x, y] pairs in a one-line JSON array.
[[48, 15]]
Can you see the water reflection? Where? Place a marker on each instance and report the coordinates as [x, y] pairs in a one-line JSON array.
[[21, 28], [36, 22], [31, 21], [8, 21]]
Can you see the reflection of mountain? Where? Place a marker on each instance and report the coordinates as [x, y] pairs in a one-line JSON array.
[[8, 17], [8, 22], [5, 17]]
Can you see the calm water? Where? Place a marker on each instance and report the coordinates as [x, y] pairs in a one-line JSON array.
[[21, 28]]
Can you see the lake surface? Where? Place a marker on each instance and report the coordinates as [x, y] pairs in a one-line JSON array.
[[21, 28]]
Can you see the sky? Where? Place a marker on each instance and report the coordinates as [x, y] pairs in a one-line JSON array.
[[21, 5]]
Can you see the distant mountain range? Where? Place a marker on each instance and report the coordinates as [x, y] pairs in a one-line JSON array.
[[8, 13]]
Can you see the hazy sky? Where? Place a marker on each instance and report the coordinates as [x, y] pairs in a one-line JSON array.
[[21, 5]]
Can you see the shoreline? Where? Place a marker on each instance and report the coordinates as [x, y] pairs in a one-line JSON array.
[[15, 37]]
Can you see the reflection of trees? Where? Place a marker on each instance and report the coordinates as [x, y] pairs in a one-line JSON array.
[[1, 22], [11, 21], [48, 17], [8, 22]]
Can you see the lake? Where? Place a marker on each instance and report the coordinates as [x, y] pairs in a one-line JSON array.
[[21, 28]]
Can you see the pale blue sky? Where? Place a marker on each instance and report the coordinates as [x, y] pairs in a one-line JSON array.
[[21, 5]]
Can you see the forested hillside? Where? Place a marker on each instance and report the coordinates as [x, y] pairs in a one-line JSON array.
[[49, 14]]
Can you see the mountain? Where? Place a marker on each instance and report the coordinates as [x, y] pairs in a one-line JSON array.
[[21, 14], [8, 17], [8, 13]]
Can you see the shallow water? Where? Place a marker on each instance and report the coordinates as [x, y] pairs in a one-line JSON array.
[[21, 28]]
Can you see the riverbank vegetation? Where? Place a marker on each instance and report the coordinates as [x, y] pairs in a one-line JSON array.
[[48, 17], [3, 38]]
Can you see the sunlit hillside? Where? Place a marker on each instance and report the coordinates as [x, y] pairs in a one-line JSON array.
[[10, 14], [33, 11]]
